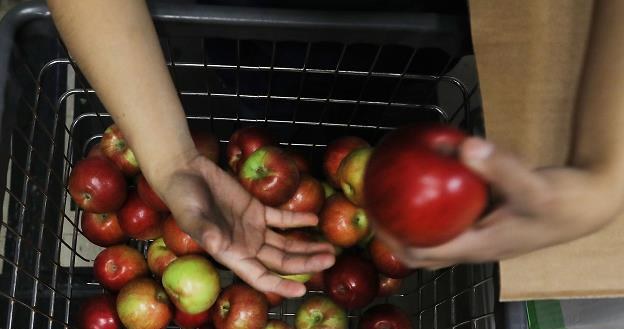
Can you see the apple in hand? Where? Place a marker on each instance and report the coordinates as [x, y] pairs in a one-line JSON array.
[[143, 304], [416, 188], [177, 240], [117, 265], [147, 194], [240, 307], [308, 197], [388, 286], [342, 223], [192, 283], [102, 229], [159, 257], [138, 220], [99, 312], [352, 282], [206, 144], [191, 321], [243, 143], [96, 185], [336, 152], [384, 316], [277, 324], [269, 175], [320, 312], [386, 262], [351, 174], [115, 147]]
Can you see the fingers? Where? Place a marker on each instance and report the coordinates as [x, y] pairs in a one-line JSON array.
[[294, 263], [297, 246], [257, 276], [288, 219]]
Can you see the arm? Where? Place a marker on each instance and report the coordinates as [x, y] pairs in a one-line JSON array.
[[115, 44]]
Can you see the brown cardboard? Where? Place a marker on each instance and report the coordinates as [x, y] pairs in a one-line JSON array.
[[529, 55]]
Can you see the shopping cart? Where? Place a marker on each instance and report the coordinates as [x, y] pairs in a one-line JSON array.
[[310, 76]]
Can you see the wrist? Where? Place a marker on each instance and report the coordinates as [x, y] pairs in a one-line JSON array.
[[159, 171]]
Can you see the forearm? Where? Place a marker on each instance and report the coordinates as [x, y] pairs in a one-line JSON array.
[[115, 44]]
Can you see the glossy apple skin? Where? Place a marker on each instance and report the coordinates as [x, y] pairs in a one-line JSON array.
[[269, 175], [273, 299], [351, 174], [417, 190], [352, 282], [96, 152], [191, 321], [117, 265], [309, 196], [240, 307], [336, 152], [96, 185], [99, 312], [388, 286], [177, 240], [159, 257], [277, 324], [143, 304], [342, 223], [386, 262], [206, 144], [147, 194], [300, 161], [138, 220], [243, 143], [384, 316], [102, 229], [115, 147], [192, 283], [320, 312]]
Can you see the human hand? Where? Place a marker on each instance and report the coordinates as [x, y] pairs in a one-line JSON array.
[[540, 208]]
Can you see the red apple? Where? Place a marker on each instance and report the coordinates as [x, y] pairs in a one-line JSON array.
[[269, 175], [96, 152], [117, 265], [99, 312], [386, 262], [385, 316], [159, 257], [308, 197], [320, 312], [178, 241], [342, 223], [336, 151], [273, 299], [244, 142], [316, 282], [97, 186], [388, 286], [417, 190], [206, 144], [192, 283], [138, 220], [143, 304], [352, 282], [147, 194], [300, 161], [277, 324], [191, 321], [351, 174], [102, 229], [240, 307], [115, 147]]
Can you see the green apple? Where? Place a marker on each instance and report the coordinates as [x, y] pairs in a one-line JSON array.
[[320, 312], [159, 257], [192, 283], [328, 189], [303, 277], [351, 174]]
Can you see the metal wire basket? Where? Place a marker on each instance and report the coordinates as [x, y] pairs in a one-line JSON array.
[[310, 76]]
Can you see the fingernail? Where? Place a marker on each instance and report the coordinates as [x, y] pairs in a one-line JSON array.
[[477, 150]]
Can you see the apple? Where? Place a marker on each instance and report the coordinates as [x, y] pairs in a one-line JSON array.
[[384, 316], [320, 312], [352, 282], [102, 229], [277, 324], [388, 286], [96, 152], [269, 175], [351, 174], [386, 262], [159, 257], [115, 266], [99, 312], [243, 143], [308, 197], [115, 147], [416, 188], [177, 240], [273, 299], [300, 161], [328, 189], [206, 144], [343, 223], [147, 194], [96, 185], [316, 282], [240, 307], [336, 152], [192, 283], [143, 304], [191, 321], [138, 220]]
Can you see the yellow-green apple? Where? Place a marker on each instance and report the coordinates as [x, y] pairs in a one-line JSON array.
[[192, 283], [336, 152], [159, 257], [143, 304], [351, 174], [116, 148], [320, 312]]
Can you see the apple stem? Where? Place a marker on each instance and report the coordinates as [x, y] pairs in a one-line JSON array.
[[317, 316]]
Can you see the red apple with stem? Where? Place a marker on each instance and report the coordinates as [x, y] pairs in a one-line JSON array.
[[386, 262], [336, 152], [143, 304], [102, 229], [96, 185], [159, 257], [320, 312], [244, 142], [206, 144], [115, 266], [352, 282], [191, 321], [269, 175], [385, 316], [177, 240], [308, 197], [139, 220], [277, 324], [147, 194], [342, 223], [192, 283], [351, 174], [99, 312], [388, 286], [240, 307], [115, 147]]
